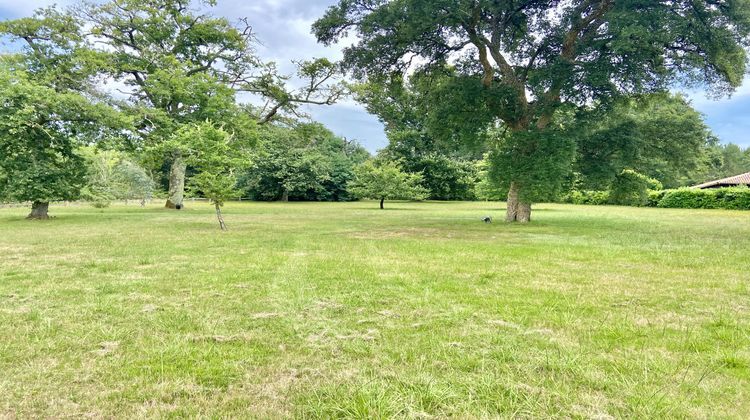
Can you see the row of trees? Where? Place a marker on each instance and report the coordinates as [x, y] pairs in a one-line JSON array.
[[517, 98]]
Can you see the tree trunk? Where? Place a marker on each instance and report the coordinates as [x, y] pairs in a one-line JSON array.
[[39, 210], [176, 184], [381, 203], [222, 225], [285, 195], [517, 211]]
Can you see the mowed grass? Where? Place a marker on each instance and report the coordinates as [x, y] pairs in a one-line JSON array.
[[320, 310]]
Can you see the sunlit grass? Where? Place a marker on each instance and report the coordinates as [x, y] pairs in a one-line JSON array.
[[344, 310]]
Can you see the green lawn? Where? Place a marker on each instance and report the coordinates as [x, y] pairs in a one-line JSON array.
[[344, 310]]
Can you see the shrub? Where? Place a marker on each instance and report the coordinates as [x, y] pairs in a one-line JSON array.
[[735, 198], [654, 197], [686, 198], [595, 198], [630, 188]]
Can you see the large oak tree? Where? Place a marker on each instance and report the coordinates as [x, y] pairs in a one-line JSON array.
[[50, 107], [176, 63], [529, 57]]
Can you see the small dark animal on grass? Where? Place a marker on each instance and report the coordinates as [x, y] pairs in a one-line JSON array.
[[487, 219]]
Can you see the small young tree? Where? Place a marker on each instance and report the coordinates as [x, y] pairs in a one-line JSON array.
[[216, 156], [386, 181]]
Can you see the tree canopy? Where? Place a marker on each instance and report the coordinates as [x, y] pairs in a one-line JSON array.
[[523, 60], [304, 161], [658, 135], [40, 131]]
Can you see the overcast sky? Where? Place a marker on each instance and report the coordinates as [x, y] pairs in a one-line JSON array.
[[283, 28]]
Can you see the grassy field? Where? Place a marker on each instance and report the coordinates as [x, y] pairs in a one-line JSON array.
[[344, 310]]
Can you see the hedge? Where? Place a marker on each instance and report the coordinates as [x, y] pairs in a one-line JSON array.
[[586, 197], [734, 198]]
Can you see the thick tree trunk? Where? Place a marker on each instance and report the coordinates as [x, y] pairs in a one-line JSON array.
[[222, 225], [285, 195], [39, 210], [381, 203], [176, 184], [517, 211]]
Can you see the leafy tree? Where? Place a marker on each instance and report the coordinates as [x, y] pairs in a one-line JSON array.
[[486, 188], [660, 136], [113, 176], [40, 131], [304, 162], [518, 62], [101, 184], [179, 64], [134, 181], [444, 178], [541, 158], [50, 108], [386, 181], [734, 160], [414, 140], [217, 156]]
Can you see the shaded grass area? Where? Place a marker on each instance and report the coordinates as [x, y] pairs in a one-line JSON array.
[[342, 310]]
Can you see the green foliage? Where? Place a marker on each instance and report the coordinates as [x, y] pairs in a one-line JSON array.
[[444, 178], [216, 156], [40, 131], [511, 64], [101, 186], [112, 176], [655, 196], [439, 144], [658, 135], [386, 181], [720, 161], [304, 162], [596, 198], [55, 50], [735, 198], [134, 181], [630, 188], [486, 189], [538, 161]]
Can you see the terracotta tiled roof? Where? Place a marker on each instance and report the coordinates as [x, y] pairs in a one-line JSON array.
[[742, 179]]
